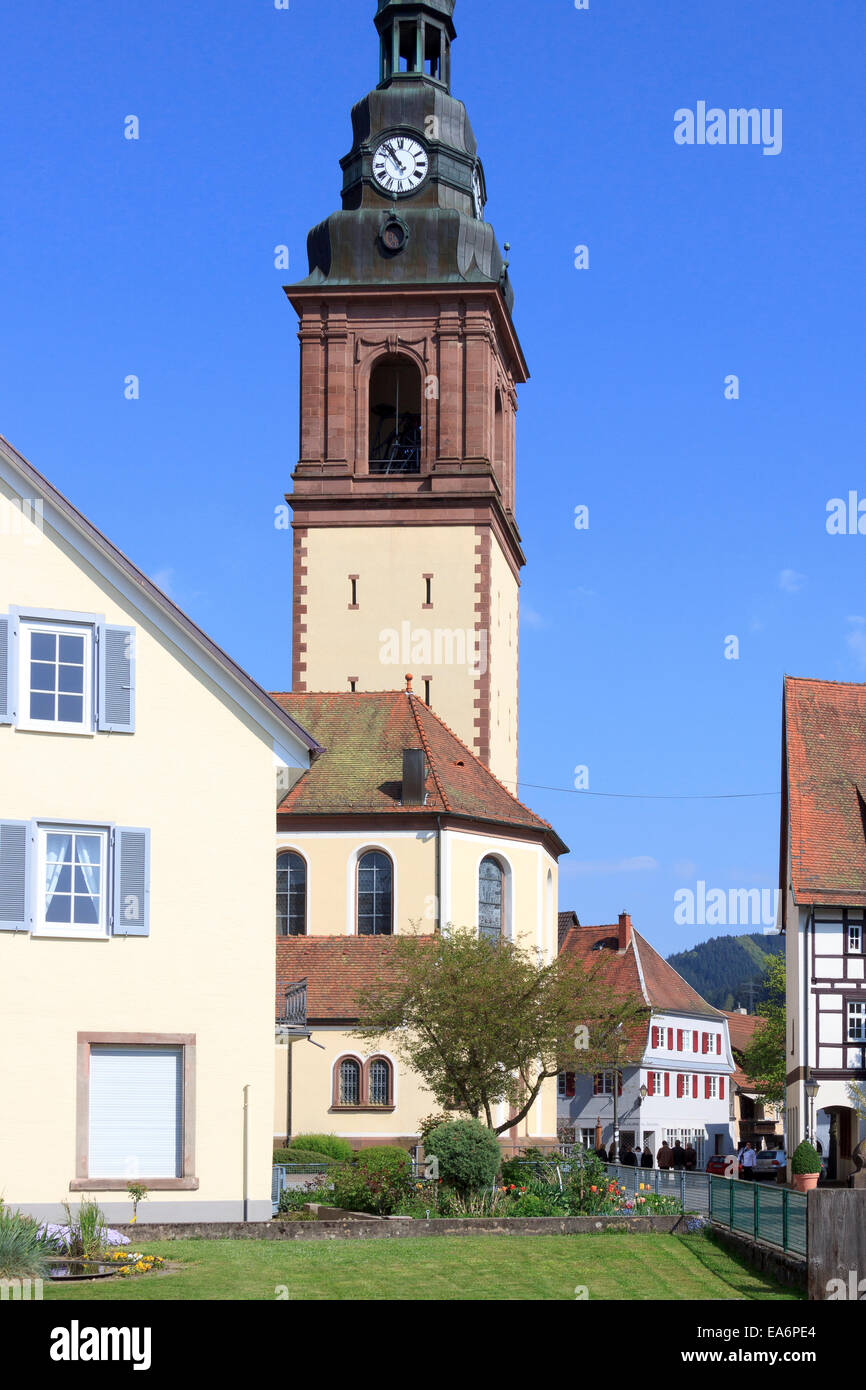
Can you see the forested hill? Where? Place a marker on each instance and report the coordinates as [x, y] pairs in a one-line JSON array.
[[727, 970]]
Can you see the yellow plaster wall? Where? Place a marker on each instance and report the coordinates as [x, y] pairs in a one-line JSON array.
[[200, 775]]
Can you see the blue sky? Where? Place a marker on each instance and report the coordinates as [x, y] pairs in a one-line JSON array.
[[707, 516]]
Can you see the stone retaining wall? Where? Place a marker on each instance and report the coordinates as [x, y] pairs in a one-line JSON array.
[[786, 1268], [348, 1228]]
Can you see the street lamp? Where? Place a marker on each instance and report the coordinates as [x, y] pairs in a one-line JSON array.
[[811, 1088]]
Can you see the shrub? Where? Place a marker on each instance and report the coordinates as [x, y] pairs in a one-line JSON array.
[[429, 1123], [806, 1159], [468, 1153], [301, 1156], [377, 1182], [530, 1204], [330, 1144], [24, 1248]]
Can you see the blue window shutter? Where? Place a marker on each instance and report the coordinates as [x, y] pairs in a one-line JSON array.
[[131, 906], [116, 679], [8, 633], [15, 861]]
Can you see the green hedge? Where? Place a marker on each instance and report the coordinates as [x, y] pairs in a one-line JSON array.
[[323, 1144], [305, 1156]]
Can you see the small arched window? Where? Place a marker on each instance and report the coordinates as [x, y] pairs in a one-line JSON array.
[[491, 899], [375, 894], [350, 1082], [380, 1082], [291, 895]]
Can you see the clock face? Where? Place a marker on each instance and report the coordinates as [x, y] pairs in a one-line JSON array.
[[400, 164], [476, 191]]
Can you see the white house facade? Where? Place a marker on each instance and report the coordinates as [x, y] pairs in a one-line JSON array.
[[823, 862], [680, 1091]]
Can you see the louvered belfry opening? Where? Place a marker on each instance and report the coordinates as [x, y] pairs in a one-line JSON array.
[[415, 45], [395, 417]]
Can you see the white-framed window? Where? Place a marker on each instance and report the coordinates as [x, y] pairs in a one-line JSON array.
[[855, 937], [56, 675], [658, 1082], [72, 881], [857, 1021], [587, 1138], [713, 1087]]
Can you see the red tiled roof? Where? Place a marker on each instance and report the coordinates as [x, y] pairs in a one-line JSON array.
[[337, 970], [825, 778], [364, 735], [742, 1029], [638, 970]]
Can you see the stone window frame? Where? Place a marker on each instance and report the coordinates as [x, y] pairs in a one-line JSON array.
[[364, 1106], [82, 1182]]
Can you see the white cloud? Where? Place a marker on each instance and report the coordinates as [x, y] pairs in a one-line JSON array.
[[530, 617], [641, 863], [164, 579], [790, 582]]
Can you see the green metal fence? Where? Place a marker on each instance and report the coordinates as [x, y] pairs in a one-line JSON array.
[[771, 1214]]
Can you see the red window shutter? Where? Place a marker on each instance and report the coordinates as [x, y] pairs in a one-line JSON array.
[[679, 1085], [655, 1038], [569, 1084], [694, 1042], [679, 1040], [719, 1044], [694, 1088], [596, 1084], [721, 1088], [667, 1083], [704, 1047], [706, 1088], [651, 1083], [670, 1040]]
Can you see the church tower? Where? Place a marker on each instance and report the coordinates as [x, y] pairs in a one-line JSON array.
[[407, 556]]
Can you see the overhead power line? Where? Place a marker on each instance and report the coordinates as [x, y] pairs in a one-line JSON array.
[[648, 796]]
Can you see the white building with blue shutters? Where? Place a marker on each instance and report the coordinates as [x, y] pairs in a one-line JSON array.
[[139, 772]]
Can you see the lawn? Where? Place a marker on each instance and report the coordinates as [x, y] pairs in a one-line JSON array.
[[442, 1268]]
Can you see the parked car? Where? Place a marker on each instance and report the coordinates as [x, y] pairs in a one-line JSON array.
[[771, 1165], [719, 1165]]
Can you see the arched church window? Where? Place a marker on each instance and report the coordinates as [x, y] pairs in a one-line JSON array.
[[395, 417], [291, 895], [491, 899], [350, 1082], [375, 894]]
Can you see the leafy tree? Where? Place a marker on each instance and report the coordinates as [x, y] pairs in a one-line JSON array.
[[483, 1022], [763, 1060]]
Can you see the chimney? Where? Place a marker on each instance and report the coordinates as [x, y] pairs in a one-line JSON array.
[[624, 931], [414, 777]]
